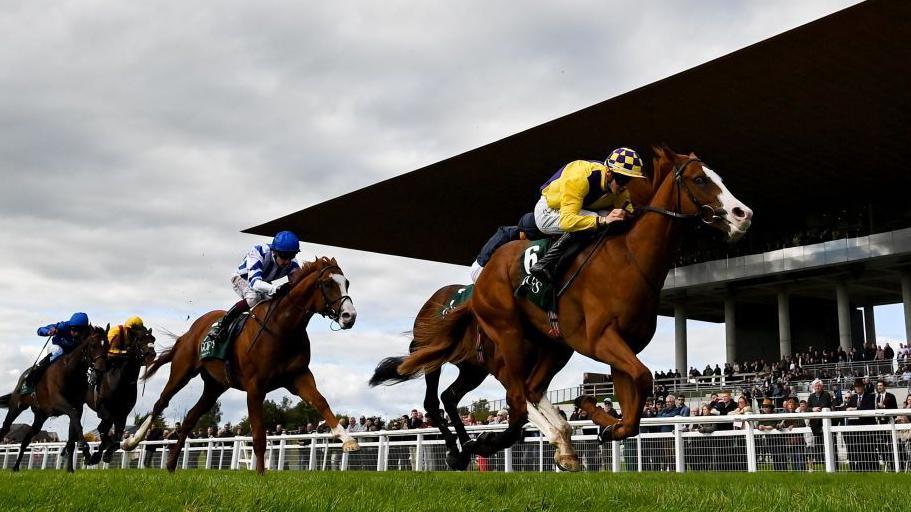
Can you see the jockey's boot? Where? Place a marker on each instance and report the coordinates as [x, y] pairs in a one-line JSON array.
[[35, 373], [543, 270], [236, 310]]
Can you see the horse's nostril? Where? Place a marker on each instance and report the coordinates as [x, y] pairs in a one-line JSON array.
[[738, 212]]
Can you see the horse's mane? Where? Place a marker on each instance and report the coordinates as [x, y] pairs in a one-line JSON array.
[[309, 267]]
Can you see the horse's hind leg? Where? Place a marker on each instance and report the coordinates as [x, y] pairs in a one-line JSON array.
[[470, 377], [11, 416], [210, 394], [36, 427], [432, 406], [104, 430], [183, 369]]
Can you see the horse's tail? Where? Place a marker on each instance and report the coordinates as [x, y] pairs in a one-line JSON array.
[[5, 400], [387, 372], [437, 340], [163, 358]]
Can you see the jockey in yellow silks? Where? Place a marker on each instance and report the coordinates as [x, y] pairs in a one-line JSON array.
[[580, 198], [119, 335]]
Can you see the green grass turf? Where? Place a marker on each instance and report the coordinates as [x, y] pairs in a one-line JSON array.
[[152, 490]]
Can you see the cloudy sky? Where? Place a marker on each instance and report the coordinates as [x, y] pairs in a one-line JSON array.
[[139, 138]]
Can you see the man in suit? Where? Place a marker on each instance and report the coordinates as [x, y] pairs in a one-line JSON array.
[[860, 457], [883, 440]]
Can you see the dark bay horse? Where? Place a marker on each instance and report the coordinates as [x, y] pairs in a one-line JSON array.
[[272, 351], [116, 395], [610, 313], [462, 344], [60, 391]]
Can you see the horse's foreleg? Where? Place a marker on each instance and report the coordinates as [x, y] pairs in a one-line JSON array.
[[104, 431], [119, 426], [258, 429], [75, 436], [632, 383], [305, 387], [35, 428]]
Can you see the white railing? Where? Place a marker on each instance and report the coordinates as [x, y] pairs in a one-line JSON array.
[[704, 443]]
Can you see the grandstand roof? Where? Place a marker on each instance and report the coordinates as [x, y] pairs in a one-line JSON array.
[[809, 128]]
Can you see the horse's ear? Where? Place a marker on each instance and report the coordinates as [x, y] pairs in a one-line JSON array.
[[108, 327]]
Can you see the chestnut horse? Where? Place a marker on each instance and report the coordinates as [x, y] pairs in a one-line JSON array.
[[476, 357], [116, 395], [60, 391], [610, 313], [272, 351]]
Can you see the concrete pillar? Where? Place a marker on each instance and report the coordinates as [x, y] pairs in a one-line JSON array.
[[784, 324], [844, 315], [869, 325], [680, 339], [906, 299], [729, 329]]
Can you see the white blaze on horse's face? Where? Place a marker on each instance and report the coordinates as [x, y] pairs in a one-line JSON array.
[[347, 314], [737, 215]]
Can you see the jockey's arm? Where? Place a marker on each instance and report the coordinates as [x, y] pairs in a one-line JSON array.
[[51, 329], [571, 204]]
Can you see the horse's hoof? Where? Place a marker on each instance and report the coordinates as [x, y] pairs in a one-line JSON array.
[[107, 457], [480, 446], [457, 460], [94, 459], [350, 446], [568, 462], [15, 469]]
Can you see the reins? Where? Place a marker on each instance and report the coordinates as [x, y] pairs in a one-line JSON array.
[[331, 309], [715, 214]]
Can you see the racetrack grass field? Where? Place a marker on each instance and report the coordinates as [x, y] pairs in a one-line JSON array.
[[200, 490]]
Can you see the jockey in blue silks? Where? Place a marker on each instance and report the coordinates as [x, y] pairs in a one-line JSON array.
[[65, 336], [254, 279]]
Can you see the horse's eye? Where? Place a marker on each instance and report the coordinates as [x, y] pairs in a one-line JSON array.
[[700, 180]]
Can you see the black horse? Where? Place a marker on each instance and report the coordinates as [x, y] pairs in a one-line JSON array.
[[115, 396]]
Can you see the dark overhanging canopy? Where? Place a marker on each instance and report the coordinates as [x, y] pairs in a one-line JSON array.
[[810, 128]]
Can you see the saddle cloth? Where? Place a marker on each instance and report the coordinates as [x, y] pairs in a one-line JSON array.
[[214, 346]]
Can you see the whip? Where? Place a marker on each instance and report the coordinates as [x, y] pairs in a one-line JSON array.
[[42, 349]]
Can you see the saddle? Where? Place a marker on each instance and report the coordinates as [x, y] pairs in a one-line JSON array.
[[219, 339]]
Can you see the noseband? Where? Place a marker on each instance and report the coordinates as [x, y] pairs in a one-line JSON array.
[[708, 214], [332, 308]]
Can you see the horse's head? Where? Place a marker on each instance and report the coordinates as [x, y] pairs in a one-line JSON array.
[[142, 345], [700, 192], [332, 299]]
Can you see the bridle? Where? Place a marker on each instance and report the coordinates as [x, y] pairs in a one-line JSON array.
[[331, 308], [714, 213]]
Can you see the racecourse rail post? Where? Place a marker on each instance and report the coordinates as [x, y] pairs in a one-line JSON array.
[[311, 465], [639, 454], [615, 456], [281, 454], [678, 448], [186, 455], [419, 453], [896, 460], [828, 451], [751, 445], [209, 448], [507, 460], [540, 451]]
